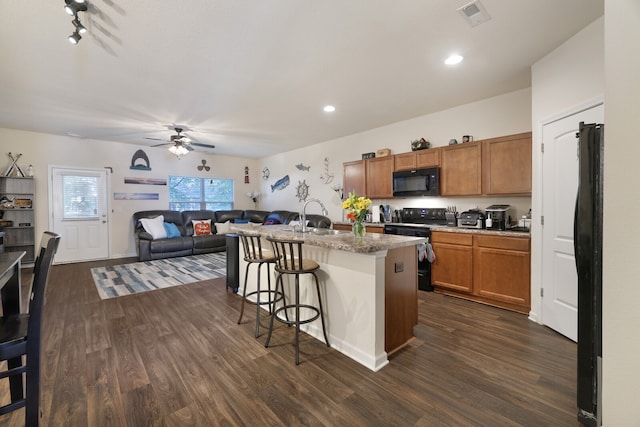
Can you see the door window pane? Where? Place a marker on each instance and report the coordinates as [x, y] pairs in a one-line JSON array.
[[80, 197]]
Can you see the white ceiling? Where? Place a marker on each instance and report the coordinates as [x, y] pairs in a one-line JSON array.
[[252, 76]]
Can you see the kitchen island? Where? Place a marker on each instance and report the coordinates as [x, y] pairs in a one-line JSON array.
[[369, 284]]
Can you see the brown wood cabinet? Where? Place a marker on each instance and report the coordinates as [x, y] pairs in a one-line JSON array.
[[461, 169], [417, 159], [502, 270], [354, 177], [453, 266], [506, 165], [379, 177], [490, 269]]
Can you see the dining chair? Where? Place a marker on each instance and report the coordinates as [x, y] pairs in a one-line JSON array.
[[20, 336]]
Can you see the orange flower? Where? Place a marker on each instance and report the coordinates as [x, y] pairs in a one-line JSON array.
[[351, 216]]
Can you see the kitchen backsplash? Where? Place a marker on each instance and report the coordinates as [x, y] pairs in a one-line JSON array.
[[521, 205]]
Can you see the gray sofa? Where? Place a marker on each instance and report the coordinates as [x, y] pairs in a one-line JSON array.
[[149, 248]]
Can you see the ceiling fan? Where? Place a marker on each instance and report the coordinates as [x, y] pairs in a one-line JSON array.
[[180, 144]]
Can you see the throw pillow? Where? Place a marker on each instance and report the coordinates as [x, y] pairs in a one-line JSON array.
[[241, 221], [201, 227], [271, 222], [222, 227], [154, 226], [172, 230]]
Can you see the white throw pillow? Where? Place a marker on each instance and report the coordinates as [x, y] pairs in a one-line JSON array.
[[222, 227], [154, 226], [201, 227]]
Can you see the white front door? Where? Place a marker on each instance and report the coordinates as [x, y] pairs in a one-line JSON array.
[[79, 212], [559, 190]]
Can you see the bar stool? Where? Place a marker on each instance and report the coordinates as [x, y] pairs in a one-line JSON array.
[[254, 254], [289, 260]]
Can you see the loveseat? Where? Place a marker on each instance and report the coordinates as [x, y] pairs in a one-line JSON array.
[[209, 233]]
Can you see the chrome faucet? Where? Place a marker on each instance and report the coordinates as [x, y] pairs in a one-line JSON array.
[[303, 216]]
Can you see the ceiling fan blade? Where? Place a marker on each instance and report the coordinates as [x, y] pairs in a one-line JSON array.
[[188, 147], [161, 145], [203, 145], [155, 139]]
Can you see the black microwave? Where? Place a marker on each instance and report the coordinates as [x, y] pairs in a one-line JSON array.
[[416, 182]]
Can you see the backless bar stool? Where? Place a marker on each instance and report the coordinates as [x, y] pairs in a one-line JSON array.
[[289, 260], [254, 254]]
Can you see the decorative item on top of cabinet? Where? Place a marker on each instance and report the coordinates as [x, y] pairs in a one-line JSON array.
[[420, 144]]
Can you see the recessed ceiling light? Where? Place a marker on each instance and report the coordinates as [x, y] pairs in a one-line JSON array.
[[329, 108], [453, 59]]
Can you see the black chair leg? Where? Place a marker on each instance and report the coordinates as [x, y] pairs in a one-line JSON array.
[[275, 312], [297, 319], [15, 381], [244, 293]]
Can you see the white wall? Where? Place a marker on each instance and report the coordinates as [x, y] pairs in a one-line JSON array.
[[621, 317], [567, 77], [43, 150], [502, 115]]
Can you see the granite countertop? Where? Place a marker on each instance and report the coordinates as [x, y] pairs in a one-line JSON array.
[[339, 240]]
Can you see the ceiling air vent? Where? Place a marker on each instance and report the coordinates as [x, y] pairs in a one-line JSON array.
[[474, 13]]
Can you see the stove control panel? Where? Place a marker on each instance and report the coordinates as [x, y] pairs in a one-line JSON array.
[[424, 215]]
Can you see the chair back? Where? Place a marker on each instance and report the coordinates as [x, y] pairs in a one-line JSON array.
[[289, 255], [48, 248], [252, 247]]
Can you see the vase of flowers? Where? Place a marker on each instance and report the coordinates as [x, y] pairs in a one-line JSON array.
[[357, 208]]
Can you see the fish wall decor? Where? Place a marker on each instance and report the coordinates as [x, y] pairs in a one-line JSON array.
[[280, 184], [302, 167]]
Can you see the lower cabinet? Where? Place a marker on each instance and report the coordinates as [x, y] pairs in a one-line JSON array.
[[378, 229], [491, 269]]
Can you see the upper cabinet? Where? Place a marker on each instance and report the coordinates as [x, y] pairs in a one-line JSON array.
[[379, 173], [506, 165], [417, 159], [354, 177], [461, 169]]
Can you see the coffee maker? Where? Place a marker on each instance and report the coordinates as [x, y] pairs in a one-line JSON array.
[[498, 217]]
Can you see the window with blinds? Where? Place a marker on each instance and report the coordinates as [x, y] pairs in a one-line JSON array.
[[80, 197], [189, 193]]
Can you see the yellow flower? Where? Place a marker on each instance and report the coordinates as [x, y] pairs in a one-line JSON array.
[[356, 206]]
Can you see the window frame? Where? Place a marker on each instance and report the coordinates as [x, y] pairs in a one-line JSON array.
[[201, 203]]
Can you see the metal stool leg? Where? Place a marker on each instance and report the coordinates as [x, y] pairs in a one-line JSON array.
[[244, 293], [324, 329]]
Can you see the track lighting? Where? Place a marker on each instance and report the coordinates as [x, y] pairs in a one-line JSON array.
[[72, 7], [79, 27], [74, 38]]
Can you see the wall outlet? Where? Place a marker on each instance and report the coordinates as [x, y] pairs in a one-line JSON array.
[[399, 267]]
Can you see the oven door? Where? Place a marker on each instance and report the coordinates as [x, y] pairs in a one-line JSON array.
[[424, 267]]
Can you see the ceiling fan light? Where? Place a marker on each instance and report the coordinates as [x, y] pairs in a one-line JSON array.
[[74, 38], [72, 7], [178, 150]]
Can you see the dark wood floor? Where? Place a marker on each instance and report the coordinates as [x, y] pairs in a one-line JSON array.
[[176, 357]]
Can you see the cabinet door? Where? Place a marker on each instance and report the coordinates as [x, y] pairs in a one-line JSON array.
[[379, 180], [506, 165], [354, 177], [453, 266], [460, 170], [428, 158], [405, 161], [503, 275]]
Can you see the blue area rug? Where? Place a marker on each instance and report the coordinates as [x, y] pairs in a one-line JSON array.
[[127, 279]]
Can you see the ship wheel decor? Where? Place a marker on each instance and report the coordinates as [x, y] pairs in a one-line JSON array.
[[302, 191]]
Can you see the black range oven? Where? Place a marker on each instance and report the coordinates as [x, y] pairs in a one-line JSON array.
[[417, 222]]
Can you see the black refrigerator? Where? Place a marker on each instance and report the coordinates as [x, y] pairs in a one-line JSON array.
[[588, 254]]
